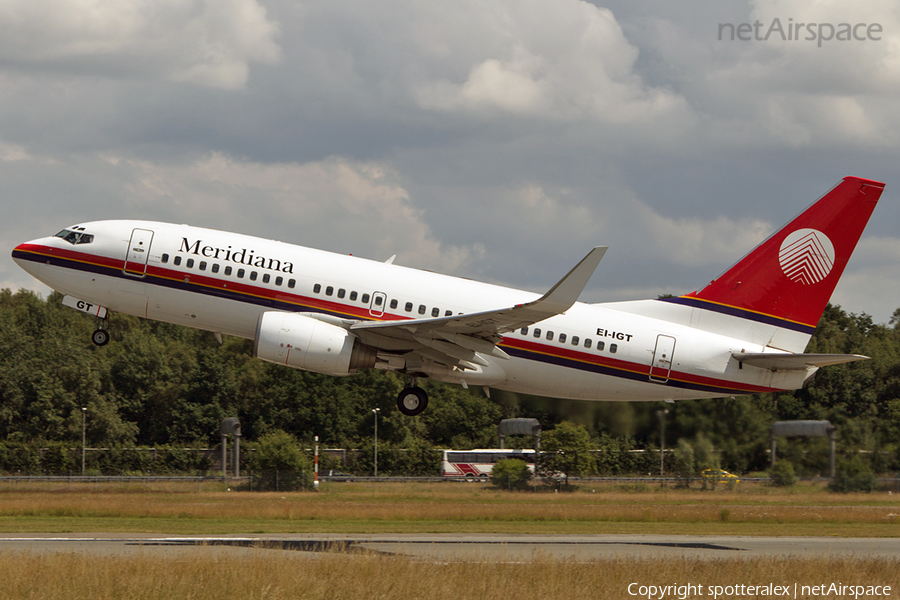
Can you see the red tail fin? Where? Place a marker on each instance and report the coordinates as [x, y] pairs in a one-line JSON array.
[[789, 278]]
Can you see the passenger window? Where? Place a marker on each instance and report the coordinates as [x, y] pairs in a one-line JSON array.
[[279, 281], [550, 336], [317, 288], [613, 348], [524, 331], [364, 299], [342, 292], [562, 338], [601, 345], [575, 340], [587, 343], [292, 283], [266, 278], [329, 290], [435, 312], [379, 300], [215, 268], [408, 307], [353, 296], [190, 263], [165, 258], [177, 261], [421, 309], [537, 333], [241, 273], [228, 271], [253, 275], [448, 313], [393, 304], [202, 265]]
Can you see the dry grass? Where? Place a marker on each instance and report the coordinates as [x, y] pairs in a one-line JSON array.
[[328, 576], [365, 507]]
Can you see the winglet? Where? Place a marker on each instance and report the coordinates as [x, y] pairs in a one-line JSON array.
[[565, 293]]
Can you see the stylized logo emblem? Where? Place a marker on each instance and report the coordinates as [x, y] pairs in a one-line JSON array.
[[806, 256]]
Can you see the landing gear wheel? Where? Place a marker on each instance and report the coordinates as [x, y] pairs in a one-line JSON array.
[[100, 337], [412, 401]]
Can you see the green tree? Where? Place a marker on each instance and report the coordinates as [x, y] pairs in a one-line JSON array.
[[685, 464], [566, 450], [853, 475]]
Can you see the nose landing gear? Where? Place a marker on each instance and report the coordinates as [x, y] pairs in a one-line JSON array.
[[100, 337]]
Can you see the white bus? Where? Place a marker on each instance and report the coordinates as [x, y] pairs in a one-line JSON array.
[[477, 464]]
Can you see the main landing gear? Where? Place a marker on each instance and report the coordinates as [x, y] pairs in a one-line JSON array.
[[412, 400]]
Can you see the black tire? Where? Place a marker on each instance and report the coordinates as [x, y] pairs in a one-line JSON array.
[[412, 401], [100, 337]]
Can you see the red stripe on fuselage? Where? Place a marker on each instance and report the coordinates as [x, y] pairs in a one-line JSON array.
[[362, 312]]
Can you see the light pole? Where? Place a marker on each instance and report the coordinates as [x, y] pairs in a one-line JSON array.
[[83, 429], [661, 413], [375, 412]]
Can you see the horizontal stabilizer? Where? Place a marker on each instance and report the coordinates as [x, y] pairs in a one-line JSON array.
[[776, 361]]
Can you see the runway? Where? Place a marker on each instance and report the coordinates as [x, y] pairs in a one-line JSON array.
[[460, 547]]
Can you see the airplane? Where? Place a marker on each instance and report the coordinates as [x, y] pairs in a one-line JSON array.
[[743, 333]]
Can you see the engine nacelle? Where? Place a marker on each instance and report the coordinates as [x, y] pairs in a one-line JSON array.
[[310, 344]]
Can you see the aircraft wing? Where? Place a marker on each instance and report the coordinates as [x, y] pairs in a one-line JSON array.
[[777, 361], [456, 340]]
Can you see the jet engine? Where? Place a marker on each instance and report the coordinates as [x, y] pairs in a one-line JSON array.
[[307, 343]]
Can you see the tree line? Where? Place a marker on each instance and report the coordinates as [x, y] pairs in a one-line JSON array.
[[161, 385]]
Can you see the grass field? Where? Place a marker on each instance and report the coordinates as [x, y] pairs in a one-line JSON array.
[[424, 508], [446, 508]]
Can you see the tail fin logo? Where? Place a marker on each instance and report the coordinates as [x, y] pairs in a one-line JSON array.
[[806, 256]]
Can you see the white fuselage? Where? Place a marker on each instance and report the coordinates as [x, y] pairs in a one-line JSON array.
[[223, 282]]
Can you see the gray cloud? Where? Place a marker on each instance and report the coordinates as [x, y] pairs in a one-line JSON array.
[[495, 140]]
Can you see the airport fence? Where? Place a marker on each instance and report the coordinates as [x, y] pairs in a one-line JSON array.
[[291, 480]]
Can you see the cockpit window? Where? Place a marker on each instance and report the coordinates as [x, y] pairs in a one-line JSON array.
[[75, 237]]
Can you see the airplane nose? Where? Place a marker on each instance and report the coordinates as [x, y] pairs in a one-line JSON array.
[[26, 257]]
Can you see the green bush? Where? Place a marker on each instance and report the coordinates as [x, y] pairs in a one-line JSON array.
[[782, 473], [57, 460], [853, 475], [511, 474], [279, 464]]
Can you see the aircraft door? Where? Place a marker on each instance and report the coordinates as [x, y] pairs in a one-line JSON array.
[[662, 358], [138, 252], [379, 300]]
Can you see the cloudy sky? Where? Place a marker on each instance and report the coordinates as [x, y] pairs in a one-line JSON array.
[[498, 140]]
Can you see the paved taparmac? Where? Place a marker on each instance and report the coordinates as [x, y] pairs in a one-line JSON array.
[[490, 547]]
